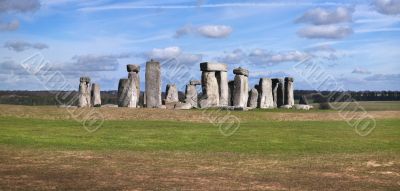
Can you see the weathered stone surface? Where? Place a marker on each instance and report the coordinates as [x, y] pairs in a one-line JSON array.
[[127, 93], [241, 71], [222, 78], [84, 92], [278, 91], [253, 98], [210, 96], [303, 100], [289, 97], [84, 79], [195, 82], [240, 92], [286, 106], [212, 67], [265, 96], [133, 68], [231, 87], [191, 95], [302, 107], [153, 84], [134, 76], [171, 93], [183, 106], [96, 99]]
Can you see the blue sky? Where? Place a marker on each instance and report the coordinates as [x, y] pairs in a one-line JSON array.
[[356, 42]]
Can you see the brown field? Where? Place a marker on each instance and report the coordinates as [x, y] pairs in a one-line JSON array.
[[86, 170], [52, 112]]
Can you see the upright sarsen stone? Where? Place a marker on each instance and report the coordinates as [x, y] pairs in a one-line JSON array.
[[95, 95], [84, 92], [278, 91], [289, 97], [214, 85], [253, 98], [231, 87], [191, 94], [133, 74], [222, 78], [210, 97], [153, 84], [241, 87], [127, 93], [171, 93], [303, 100], [265, 99]]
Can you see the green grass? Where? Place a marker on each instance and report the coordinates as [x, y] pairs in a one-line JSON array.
[[367, 105], [274, 137]]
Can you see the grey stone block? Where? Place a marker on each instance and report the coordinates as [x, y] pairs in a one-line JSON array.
[[265, 99], [133, 68], [96, 97], [253, 98], [241, 71], [153, 84], [212, 67]]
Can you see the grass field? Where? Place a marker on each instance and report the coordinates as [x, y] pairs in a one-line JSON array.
[[41, 148]]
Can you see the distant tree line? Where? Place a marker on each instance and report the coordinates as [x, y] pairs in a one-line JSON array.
[[110, 97]]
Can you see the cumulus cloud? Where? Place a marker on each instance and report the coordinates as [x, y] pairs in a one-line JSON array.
[[91, 62], [325, 52], [208, 31], [360, 71], [20, 46], [9, 26], [173, 52], [234, 57], [325, 31], [320, 16], [383, 77], [22, 6], [387, 7]]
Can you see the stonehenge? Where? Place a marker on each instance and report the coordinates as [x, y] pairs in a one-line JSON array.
[[153, 84], [241, 87], [289, 97], [129, 88], [214, 81], [265, 98], [253, 98], [216, 90], [191, 94], [95, 95], [84, 92]]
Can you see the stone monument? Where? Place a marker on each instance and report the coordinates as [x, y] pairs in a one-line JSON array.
[[241, 87], [153, 84], [84, 92]]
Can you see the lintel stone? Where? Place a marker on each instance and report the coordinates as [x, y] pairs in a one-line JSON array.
[[213, 66]]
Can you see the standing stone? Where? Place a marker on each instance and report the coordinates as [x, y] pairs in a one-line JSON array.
[[211, 72], [303, 100], [265, 100], [222, 78], [153, 84], [191, 94], [231, 87], [278, 91], [171, 94], [133, 73], [127, 93], [241, 87], [96, 99], [289, 97], [210, 97], [84, 92], [253, 97]]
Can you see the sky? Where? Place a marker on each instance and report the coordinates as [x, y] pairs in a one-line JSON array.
[[355, 43]]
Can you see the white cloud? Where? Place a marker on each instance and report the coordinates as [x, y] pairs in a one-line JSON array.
[[208, 31], [173, 52], [387, 7], [215, 31], [234, 57], [20, 46], [320, 16], [360, 71], [325, 31]]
